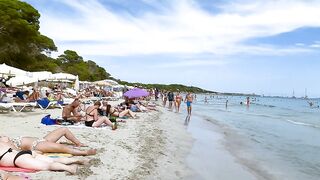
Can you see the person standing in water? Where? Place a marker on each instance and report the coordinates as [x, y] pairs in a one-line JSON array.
[[188, 100], [227, 103], [206, 100]]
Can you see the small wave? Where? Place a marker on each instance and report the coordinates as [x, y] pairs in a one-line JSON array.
[[265, 105], [302, 124]]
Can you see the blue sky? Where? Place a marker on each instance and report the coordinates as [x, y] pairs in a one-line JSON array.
[[264, 47]]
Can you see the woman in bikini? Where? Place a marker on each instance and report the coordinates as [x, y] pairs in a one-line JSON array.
[[94, 120], [31, 160], [178, 101], [165, 98], [115, 112], [48, 144]]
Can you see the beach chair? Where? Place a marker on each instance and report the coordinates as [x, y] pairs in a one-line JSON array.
[[46, 103], [20, 106], [5, 107]]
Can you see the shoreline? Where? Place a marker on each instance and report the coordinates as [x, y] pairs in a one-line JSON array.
[[156, 146], [211, 156]]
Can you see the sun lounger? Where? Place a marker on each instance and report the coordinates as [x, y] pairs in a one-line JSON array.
[[110, 98], [22, 105], [5, 107], [45, 104]]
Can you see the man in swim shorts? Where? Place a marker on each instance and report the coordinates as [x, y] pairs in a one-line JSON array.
[[188, 100]]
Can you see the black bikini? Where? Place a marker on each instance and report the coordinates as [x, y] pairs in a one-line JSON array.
[[18, 155], [8, 151], [89, 123]]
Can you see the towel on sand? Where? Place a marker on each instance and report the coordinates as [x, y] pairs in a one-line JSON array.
[[17, 169]]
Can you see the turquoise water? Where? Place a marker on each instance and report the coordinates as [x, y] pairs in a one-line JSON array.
[[277, 138]]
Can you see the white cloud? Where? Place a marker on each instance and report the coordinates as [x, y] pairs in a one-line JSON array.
[[190, 63], [184, 28], [315, 45]]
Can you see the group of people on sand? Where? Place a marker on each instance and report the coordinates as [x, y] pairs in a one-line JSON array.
[[27, 152], [175, 100], [95, 115]]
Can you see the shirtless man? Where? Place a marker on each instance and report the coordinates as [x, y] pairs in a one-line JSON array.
[[70, 112], [188, 100]]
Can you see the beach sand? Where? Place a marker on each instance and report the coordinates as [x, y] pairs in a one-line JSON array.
[[156, 146], [151, 147]]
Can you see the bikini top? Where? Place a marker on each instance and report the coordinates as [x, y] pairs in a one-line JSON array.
[[89, 114], [8, 151]]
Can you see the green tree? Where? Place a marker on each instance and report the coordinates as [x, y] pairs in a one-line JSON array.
[[20, 40], [70, 56]]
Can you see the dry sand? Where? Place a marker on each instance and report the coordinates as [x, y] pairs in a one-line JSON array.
[[151, 147]]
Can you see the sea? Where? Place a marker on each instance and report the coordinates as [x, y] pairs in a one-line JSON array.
[[272, 138]]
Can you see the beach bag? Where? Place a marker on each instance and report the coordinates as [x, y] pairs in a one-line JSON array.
[[47, 120], [113, 118]]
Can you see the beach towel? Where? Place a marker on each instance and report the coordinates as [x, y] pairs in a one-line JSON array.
[[57, 155], [17, 169], [82, 126]]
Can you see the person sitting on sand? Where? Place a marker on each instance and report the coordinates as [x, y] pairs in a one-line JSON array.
[[49, 143], [119, 113], [70, 112], [31, 160], [94, 120]]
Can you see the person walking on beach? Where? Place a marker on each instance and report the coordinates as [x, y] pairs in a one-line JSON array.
[[178, 100], [188, 100], [156, 94], [164, 98], [170, 98]]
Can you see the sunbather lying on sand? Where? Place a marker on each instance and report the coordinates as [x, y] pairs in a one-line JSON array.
[[48, 144], [31, 160]]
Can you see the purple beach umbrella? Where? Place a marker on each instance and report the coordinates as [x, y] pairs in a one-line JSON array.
[[136, 93]]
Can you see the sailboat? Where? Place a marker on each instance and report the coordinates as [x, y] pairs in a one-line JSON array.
[[293, 94], [305, 94]]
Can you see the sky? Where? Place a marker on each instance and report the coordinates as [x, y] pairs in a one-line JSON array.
[[264, 47]]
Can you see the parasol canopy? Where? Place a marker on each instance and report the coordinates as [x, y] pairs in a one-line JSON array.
[[136, 93]]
